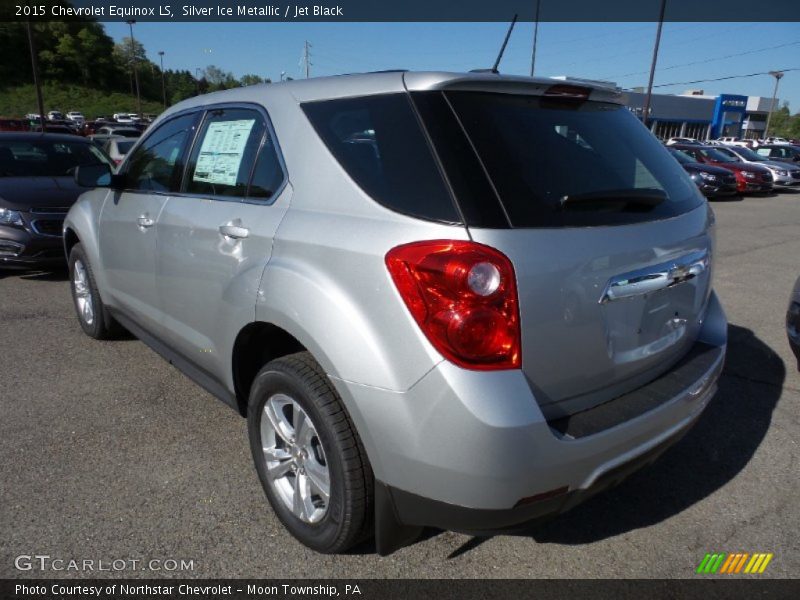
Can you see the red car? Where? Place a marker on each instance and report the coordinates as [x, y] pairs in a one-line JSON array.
[[749, 177], [13, 125]]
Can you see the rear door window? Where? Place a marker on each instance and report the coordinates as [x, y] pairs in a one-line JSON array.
[[379, 142], [225, 151], [540, 154]]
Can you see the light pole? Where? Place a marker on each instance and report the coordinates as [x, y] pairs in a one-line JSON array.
[[283, 75], [131, 23], [646, 108], [37, 84], [197, 79], [163, 82], [777, 75]]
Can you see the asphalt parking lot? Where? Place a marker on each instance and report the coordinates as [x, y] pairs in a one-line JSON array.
[[110, 453]]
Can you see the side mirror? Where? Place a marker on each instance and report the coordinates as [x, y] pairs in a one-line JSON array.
[[99, 175]]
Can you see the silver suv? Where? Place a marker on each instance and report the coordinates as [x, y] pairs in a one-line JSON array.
[[455, 300]]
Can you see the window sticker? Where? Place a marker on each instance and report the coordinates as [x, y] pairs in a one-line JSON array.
[[222, 152]]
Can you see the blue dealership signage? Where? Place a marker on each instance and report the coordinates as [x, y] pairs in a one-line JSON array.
[[727, 106]]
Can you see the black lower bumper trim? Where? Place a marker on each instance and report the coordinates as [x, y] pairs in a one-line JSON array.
[[401, 514]]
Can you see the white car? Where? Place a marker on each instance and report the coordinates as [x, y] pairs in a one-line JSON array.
[[76, 117], [55, 115], [118, 147], [777, 140], [123, 118], [681, 140]]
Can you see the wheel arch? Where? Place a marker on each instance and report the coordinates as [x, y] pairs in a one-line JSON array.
[[257, 344]]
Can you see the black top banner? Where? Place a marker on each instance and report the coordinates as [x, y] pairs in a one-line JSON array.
[[403, 11]]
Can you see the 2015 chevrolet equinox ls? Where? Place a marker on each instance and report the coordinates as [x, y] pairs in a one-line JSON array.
[[452, 300]]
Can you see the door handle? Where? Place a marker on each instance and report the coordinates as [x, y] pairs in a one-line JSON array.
[[236, 232], [145, 221]]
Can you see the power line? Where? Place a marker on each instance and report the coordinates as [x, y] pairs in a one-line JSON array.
[[708, 60], [723, 78]]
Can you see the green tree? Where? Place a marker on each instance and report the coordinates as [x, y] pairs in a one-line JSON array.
[[252, 80]]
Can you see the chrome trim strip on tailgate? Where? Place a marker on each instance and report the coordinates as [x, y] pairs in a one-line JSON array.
[[657, 277]]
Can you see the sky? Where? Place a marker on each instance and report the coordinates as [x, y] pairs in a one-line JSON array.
[[618, 52]]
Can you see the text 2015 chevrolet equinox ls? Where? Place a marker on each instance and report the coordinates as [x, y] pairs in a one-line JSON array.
[[452, 300]]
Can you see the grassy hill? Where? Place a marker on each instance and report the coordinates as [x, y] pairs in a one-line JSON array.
[[19, 101]]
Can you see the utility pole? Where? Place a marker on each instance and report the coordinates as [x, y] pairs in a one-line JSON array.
[[777, 75], [163, 82], [307, 59], [535, 37], [131, 23], [647, 98], [35, 66]]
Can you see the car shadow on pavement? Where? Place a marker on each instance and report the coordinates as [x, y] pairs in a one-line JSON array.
[[718, 447], [57, 274]]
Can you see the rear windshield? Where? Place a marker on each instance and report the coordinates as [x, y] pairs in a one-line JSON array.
[[124, 147], [545, 158], [379, 142]]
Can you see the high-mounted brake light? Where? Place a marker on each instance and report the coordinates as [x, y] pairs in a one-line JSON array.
[[569, 92], [463, 296]]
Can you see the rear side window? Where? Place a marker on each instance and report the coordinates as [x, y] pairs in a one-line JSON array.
[[557, 164], [379, 142]]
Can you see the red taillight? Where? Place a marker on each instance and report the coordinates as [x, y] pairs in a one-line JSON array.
[[463, 295]]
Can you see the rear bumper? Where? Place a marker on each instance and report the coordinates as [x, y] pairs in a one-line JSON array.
[[412, 509], [472, 451], [21, 248]]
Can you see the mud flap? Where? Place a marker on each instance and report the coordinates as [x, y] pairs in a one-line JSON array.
[[390, 533]]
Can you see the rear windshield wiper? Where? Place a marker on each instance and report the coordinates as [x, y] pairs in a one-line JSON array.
[[633, 200]]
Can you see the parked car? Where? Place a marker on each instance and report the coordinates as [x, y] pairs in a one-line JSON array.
[[123, 118], [749, 177], [783, 175], [77, 118], [713, 182], [749, 143], [780, 152], [54, 127], [117, 147], [728, 139], [37, 188], [55, 115], [681, 140], [116, 130], [775, 140], [468, 338], [793, 322], [7, 124]]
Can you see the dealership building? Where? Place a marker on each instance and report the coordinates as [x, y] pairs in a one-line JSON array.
[[697, 115], [694, 114]]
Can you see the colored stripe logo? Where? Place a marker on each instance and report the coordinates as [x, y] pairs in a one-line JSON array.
[[734, 563]]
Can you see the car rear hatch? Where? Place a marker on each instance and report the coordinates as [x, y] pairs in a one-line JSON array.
[[609, 238]]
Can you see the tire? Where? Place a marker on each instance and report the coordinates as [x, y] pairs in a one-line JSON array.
[[95, 320], [294, 390]]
